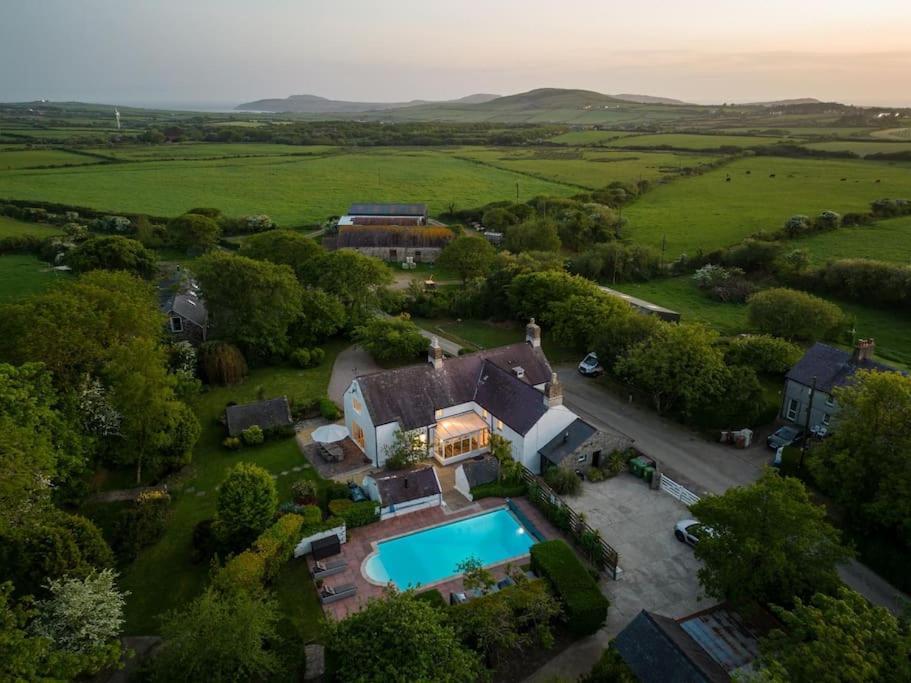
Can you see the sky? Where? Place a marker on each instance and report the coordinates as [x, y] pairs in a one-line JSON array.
[[231, 51]]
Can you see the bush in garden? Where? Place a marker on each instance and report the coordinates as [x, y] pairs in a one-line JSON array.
[[594, 474], [585, 605], [276, 544], [339, 505], [222, 363], [301, 358], [763, 353], [246, 504], [329, 410], [253, 436], [355, 514], [794, 314], [141, 524], [316, 356], [205, 541], [616, 462], [232, 443], [304, 491], [563, 481]]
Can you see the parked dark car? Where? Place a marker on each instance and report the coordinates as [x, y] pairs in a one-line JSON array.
[[784, 436]]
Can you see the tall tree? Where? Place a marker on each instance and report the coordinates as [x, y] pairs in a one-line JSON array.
[[113, 252], [793, 314], [355, 279], [194, 231], [246, 504], [837, 639], [768, 543], [536, 234], [578, 321], [252, 303], [470, 257], [289, 248]]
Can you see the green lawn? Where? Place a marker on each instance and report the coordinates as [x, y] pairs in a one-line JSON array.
[[888, 240], [32, 158], [204, 150], [10, 227], [293, 190], [862, 147], [22, 275], [589, 137], [891, 329], [706, 212], [690, 141], [163, 577]]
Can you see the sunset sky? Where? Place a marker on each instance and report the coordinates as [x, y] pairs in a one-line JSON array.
[[229, 51]]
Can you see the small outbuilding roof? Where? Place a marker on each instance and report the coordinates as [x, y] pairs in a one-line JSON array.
[[481, 471], [567, 441], [190, 307], [382, 209], [396, 488], [273, 412]]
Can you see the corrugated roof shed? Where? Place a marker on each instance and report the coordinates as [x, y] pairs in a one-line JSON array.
[[274, 412], [382, 209]]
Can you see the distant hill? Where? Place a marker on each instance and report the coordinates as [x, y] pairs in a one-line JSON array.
[[551, 98], [313, 104], [648, 99], [785, 103]]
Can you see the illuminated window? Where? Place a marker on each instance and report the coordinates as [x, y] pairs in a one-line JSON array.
[[484, 414], [500, 425], [439, 413], [356, 405], [358, 434]]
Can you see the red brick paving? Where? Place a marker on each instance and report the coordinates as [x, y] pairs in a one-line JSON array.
[[360, 540]]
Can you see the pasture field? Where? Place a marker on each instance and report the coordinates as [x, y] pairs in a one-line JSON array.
[[10, 227], [809, 131], [891, 329], [586, 169], [204, 150], [862, 147], [292, 190], [888, 240], [707, 212], [589, 137], [33, 158], [65, 133], [894, 133], [692, 141], [22, 275]]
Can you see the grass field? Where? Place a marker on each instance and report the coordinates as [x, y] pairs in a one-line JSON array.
[[33, 158], [163, 577], [811, 131], [696, 142], [705, 212], [894, 133], [292, 190], [23, 274], [10, 227], [589, 137], [892, 330], [582, 168], [862, 147], [886, 241], [208, 151]]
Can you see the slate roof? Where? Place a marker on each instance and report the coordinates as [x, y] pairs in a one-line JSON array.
[[658, 650], [831, 367], [191, 307], [379, 209], [412, 395], [508, 398], [400, 487], [481, 471], [273, 412], [567, 441]]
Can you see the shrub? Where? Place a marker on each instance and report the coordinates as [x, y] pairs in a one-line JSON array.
[[246, 504], [276, 544], [205, 541], [355, 514], [301, 357], [594, 474], [329, 410], [794, 315], [432, 597], [232, 443], [222, 363], [317, 355], [499, 489], [616, 463], [763, 353], [335, 490], [253, 436], [563, 481], [585, 605], [391, 338], [610, 668], [141, 524], [304, 491], [245, 572]]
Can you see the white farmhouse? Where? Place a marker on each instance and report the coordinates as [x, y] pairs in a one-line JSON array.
[[453, 405]]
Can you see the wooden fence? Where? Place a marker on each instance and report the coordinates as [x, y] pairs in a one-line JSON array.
[[600, 553]]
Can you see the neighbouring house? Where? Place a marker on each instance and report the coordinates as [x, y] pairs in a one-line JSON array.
[[643, 306], [404, 491], [181, 301], [580, 446], [453, 405], [823, 368], [396, 243], [705, 647], [273, 413], [483, 469]]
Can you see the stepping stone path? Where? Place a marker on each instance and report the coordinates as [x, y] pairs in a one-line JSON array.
[[200, 493], [315, 655], [285, 472], [190, 489], [274, 476], [296, 468]]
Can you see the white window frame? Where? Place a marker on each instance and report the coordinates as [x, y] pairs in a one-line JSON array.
[[357, 405], [499, 425], [581, 458], [793, 409], [179, 321], [826, 419], [830, 401]]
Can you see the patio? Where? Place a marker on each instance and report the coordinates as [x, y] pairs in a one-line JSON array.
[[353, 460], [360, 541]]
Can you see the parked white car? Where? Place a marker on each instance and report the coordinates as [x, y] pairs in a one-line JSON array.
[[689, 531], [590, 367]]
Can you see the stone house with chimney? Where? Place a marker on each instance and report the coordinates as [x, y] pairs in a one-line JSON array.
[[810, 384], [454, 405]]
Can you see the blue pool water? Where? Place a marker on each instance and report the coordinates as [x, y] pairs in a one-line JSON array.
[[431, 555]]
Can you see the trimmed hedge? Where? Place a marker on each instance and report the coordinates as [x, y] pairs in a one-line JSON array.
[[432, 597], [261, 563], [499, 489], [586, 607], [355, 514]]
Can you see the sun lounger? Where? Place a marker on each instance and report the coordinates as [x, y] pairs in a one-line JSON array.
[[505, 582], [323, 569], [330, 594]]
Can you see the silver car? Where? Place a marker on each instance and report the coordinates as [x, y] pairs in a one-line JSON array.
[[689, 531]]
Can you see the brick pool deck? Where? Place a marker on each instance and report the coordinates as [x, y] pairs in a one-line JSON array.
[[360, 541]]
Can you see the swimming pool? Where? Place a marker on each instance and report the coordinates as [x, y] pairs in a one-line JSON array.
[[432, 554]]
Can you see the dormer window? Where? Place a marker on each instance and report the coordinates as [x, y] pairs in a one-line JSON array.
[[176, 323]]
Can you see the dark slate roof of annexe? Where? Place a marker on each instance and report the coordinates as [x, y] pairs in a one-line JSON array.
[[381, 209], [190, 307], [273, 412], [567, 441], [481, 471], [401, 487], [831, 367], [658, 650], [412, 395]]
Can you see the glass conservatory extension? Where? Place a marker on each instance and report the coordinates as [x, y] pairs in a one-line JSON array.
[[460, 436]]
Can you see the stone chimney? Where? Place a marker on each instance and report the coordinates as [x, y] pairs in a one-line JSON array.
[[435, 353], [863, 351], [553, 392], [533, 334]]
